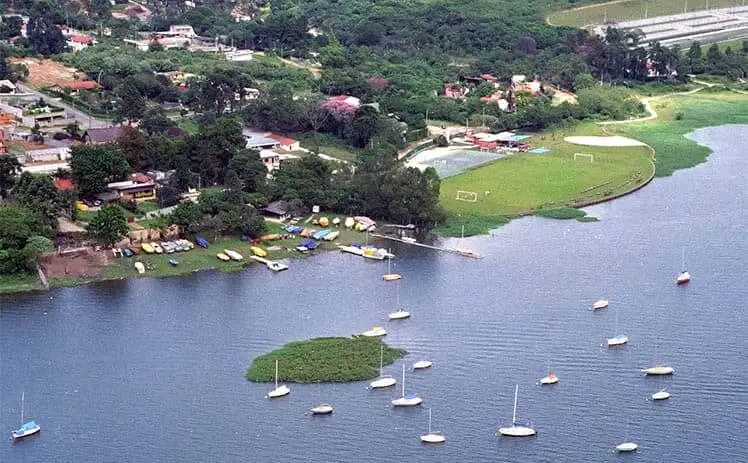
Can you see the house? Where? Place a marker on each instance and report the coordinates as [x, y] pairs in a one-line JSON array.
[[7, 87], [180, 30], [3, 145], [239, 55], [108, 197], [286, 144], [520, 84], [270, 159], [258, 141], [455, 91], [78, 42], [75, 86], [134, 189], [277, 209], [102, 135]]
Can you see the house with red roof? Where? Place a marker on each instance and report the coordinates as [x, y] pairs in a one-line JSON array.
[[342, 104], [75, 86], [78, 42], [64, 184], [286, 144]]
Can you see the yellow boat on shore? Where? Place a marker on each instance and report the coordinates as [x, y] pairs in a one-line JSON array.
[[258, 251], [223, 257], [147, 248]]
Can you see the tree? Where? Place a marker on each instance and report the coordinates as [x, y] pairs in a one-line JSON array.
[[38, 192], [250, 169], [695, 59], [154, 121], [108, 225], [9, 169], [133, 145], [35, 246], [188, 216], [169, 194], [18, 225], [73, 129], [315, 113], [4, 71], [94, 166], [132, 104], [363, 126], [213, 146], [44, 37]]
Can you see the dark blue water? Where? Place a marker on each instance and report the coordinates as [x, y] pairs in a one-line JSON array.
[[151, 369]]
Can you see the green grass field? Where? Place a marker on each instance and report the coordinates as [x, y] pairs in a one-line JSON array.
[[666, 134], [526, 182], [324, 360], [19, 283], [628, 10]]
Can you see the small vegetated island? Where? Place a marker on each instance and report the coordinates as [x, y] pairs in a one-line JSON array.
[[320, 360]]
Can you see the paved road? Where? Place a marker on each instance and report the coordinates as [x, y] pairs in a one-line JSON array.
[[83, 119]]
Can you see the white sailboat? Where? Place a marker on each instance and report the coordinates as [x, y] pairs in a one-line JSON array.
[[28, 428], [383, 380], [375, 332], [600, 304], [422, 364], [618, 339], [551, 377], [389, 276], [660, 369], [683, 277], [662, 394], [281, 390], [433, 437], [407, 400], [626, 446], [517, 429], [321, 409], [400, 314]]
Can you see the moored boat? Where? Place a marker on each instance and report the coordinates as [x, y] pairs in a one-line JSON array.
[[258, 251], [139, 267], [375, 332], [127, 252], [383, 380], [422, 364], [600, 304], [351, 250], [173, 262], [202, 242], [223, 257], [407, 400], [432, 437], [279, 391], [626, 447], [147, 248], [28, 428], [683, 278], [321, 234], [662, 394], [276, 266], [618, 340], [233, 254], [551, 378], [517, 429], [321, 409], [157, 248], [659, 370], [331, 236]]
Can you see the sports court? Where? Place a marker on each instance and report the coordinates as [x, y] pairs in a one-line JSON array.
[[453, 160]]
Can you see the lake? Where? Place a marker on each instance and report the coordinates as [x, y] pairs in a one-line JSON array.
[[152, 369]]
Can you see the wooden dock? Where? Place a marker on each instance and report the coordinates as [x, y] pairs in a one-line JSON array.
[[461, 252], [271, 264]]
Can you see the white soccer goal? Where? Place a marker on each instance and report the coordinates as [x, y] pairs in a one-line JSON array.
[[584, 155], [469, 196]]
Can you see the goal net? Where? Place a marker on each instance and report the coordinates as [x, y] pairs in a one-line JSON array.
[[584, 156], [469, 196]]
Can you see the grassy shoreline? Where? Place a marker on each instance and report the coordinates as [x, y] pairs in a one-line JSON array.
[[324, 360]]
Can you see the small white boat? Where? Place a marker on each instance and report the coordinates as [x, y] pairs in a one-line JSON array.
[[139, 267], [517, 429], [349, 222], [28, 428], [279, 391], [408, 239], [422, 364], [391, 276], [373, 253], [600, 304], [383, 380], [331, 236], [375, 332], [407, 400], [351, 250], [661, 395], [683, 278], [659, 370], [399, 315], [433, 437], [157, 248], [618, 340], [550, 379], [626, 447], [233, 254], [321, 409]]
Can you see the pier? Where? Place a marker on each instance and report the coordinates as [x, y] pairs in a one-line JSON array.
[[461, 252], [273, 265]]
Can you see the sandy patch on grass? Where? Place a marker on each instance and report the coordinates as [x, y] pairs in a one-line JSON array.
[[46, 73], [614, 141]]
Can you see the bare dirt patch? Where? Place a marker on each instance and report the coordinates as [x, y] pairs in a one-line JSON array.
[[46, 73], [614, 141], [83, 263]]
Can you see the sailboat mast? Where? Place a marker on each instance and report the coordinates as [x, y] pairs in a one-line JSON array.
[[683, 260], [403, 380], [276, 373], [514, 413], [429, 421], [381, 358], [23, 396]]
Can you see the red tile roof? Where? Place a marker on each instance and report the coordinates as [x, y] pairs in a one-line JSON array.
[[79, 38], [64, 184], [284, 141], [78, 85]]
